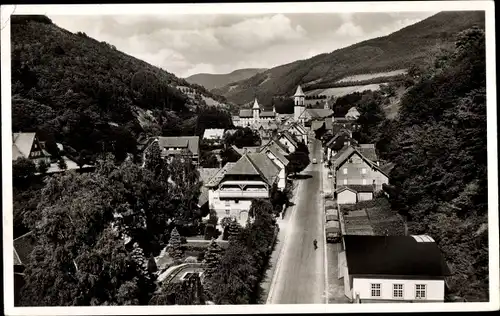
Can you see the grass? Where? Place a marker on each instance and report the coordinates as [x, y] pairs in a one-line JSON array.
[[341, 91], [372, 76]]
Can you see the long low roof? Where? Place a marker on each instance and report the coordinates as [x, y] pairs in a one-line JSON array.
[[393, 255]]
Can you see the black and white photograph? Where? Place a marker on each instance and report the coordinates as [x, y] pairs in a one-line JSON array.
[[249, 158]]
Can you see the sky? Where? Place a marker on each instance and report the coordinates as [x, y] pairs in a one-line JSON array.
[[220, 43]]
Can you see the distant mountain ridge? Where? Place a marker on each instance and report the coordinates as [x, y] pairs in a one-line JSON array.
[[213, 81], [414, 44]]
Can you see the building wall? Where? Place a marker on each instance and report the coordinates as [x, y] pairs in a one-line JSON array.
[[346, 197], [287, 143], [355, 176], [435, 289], [365, 196], [282, 174], [228, 207]]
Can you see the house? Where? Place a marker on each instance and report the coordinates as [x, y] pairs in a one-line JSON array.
[[244, 150], [298, 131], [27, 145], [351, 167], [214, 134], [276, 155], [350, 194], [337, 142], [288, 140], [180, 146], [352, 114], [255, 115], [232, 188], [205, 175], [391, 269]]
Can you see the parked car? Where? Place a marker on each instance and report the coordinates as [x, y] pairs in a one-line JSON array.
[[330, 175], [314, 160], [332, 230]]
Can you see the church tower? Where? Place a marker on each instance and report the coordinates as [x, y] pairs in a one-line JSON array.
[[299, 103], [255, 111]]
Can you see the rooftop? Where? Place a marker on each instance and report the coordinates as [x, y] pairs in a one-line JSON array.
[[190, 142], [394, 255], [299, 92], [219, 175]]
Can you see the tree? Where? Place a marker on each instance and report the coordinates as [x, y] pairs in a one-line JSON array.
[[61, 164], [233, 229], [152, 157], [174, 245], [243, 137], [228, 154], [298, 162], [43, 167], [212, 257], [23, 169]]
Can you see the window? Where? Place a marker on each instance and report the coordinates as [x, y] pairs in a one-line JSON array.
[[420, 291], [363, 171], [228, 211], [227, 204], [397, 290], [364, 181], [345, 170], [345, 181], [375, 289], [236, 201]]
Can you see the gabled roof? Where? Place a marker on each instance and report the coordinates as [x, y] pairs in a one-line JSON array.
[[328, 123], [315, 125], [243, 167], [22, 144], [189, 142], [352, 112], [319, 113], [368, 150], [256, 105], [359, 188], [337, 135], [267, 114], [393, 255], [244, 150], [346, 152], [290, 137], [267, 168], [299, 128], [279, 146], [213, 133], [246, 113], [299, 92], [206, 174], [277, 153], [214, 181], [23, 246]]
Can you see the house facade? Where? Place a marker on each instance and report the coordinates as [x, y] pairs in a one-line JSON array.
[[214, 135], [27, 145], [236, 185], [279, 160], [351, 167], [186, 147], [396, 269], [288, 141], [350, 194], [299, 132]]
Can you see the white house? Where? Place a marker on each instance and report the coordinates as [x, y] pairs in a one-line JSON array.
[[279, 160], [391, 269], [298, 131], [181, 146], [27, 145], [352, 114], [288, 141], [233, 188], [213, 134]]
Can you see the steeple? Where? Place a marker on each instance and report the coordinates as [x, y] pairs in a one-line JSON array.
[[299, 92], [256, 105]]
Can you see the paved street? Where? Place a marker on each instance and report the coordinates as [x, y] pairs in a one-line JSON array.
[[300, 271]]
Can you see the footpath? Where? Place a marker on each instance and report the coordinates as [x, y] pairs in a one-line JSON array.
[[278, 249]]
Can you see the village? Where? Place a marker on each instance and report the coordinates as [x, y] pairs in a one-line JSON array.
[[326, 225]]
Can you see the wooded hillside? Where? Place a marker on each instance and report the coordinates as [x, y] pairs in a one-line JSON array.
[[87, 95], [415, 44]]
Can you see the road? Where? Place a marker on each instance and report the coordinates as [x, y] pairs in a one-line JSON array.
[[300, 274]]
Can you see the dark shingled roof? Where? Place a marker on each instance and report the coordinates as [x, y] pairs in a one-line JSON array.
[[393, 255]]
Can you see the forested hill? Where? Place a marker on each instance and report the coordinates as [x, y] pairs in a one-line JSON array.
[[415, 44], [86, 94], [212, 81]]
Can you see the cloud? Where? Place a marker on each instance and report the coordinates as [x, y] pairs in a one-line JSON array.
[[221, 43], [254, 33]]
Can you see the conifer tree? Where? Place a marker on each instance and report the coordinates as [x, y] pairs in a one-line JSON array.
[[174, 244], [213, 255]]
